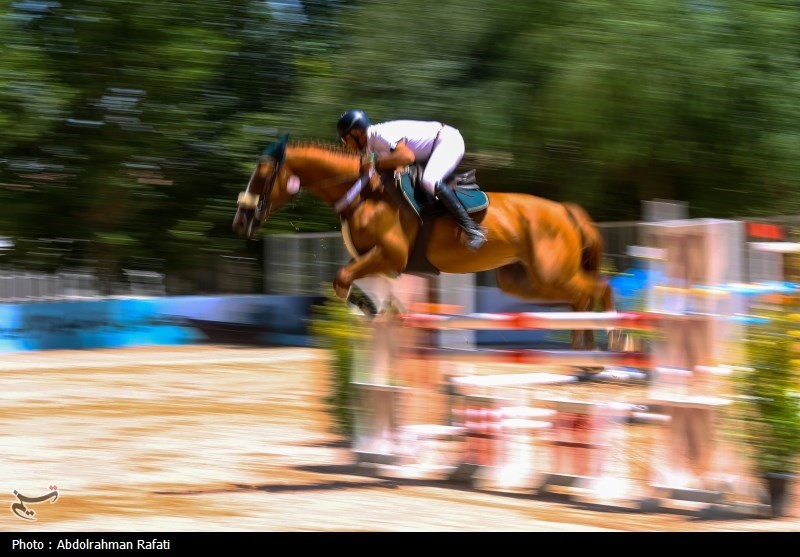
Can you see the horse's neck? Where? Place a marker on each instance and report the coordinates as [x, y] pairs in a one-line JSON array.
[[326, 174]]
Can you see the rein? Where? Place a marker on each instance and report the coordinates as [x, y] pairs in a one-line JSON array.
[[339, 205], [267, 192]]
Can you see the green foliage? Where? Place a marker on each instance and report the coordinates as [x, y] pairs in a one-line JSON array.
[[605, 103], [334, 328], [771, 411]]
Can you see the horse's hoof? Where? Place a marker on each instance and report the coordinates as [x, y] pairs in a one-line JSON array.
[[364, 304], [341, 293]]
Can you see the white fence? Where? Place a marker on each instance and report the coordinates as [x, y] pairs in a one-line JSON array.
[[26, 286]]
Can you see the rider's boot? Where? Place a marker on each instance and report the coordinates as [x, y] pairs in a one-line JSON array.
[[475, 236]]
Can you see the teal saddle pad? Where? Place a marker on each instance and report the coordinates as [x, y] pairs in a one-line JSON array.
[[421, 201]]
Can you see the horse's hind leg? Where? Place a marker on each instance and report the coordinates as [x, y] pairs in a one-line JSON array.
[[590, 292], [582, 292], [516, 280], [616, 337], [582, 339]]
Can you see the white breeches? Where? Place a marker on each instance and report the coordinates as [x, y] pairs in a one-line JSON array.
[[446, 156]]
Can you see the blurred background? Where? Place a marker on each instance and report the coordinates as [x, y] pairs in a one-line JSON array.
[[127, 128]]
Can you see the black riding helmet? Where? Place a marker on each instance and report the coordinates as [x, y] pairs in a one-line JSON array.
[[352, 119]]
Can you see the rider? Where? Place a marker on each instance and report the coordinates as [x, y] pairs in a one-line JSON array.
[[403, 142]]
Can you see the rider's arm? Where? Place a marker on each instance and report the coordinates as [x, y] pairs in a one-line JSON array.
[[401, 155]]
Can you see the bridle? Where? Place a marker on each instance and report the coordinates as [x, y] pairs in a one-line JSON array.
[[248, 200]]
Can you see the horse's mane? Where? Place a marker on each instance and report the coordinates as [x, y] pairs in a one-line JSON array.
[[338, 149]]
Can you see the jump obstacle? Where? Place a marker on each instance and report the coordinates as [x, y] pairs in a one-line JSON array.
[[483, 422], [579, 436]]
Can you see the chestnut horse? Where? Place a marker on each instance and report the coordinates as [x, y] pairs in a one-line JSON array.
[[541, 249]]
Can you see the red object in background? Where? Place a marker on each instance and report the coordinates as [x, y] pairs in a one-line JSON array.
[[765, 231]]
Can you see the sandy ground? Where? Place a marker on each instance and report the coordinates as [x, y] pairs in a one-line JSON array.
[[237, 439]]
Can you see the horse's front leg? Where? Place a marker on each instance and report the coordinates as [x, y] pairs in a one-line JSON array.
[[372, 262], [342, 281]]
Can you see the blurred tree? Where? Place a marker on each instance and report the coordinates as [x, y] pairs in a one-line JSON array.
[[32, 97], [604, 103], [137, 159]]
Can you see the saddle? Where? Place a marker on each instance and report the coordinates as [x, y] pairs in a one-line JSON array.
[[467, 190], [428, 208]]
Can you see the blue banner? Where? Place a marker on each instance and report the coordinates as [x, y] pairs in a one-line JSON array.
[[257, 320]]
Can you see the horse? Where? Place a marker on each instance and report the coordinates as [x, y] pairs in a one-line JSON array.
[[540, 249]]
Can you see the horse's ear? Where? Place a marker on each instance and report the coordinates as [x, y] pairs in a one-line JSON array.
[[278, 149]]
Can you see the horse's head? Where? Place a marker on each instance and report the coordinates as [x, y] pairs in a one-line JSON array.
[[269, 188]]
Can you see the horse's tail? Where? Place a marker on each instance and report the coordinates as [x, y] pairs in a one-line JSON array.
[[592, 249]]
